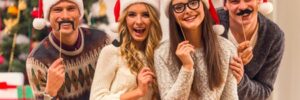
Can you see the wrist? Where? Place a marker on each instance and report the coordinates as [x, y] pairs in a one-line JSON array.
[[139, 92], [188, 66], [50, 92], [47, 96]]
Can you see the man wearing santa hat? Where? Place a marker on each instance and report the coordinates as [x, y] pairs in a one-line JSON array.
[[63, 65], [260, 44]]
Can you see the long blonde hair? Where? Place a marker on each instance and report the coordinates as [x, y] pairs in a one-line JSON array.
[[130, 52]]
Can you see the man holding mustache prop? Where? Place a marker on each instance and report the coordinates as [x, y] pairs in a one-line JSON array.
[[260, 45], [63, 65]]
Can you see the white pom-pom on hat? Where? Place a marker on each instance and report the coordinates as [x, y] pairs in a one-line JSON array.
[[39, 23], [265, 7], [217, 27], [114, 27]]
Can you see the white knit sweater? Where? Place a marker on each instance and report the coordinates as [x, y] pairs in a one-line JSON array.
[[178, 87], [113, 77]]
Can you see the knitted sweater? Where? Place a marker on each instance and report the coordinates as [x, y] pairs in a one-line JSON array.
[[175, 83], [261, 71], [113, 77], [80, 64]]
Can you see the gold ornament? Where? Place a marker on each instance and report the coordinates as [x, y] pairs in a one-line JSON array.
[[12, 10]]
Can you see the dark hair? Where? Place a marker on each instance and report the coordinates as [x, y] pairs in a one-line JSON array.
[[211, 48]]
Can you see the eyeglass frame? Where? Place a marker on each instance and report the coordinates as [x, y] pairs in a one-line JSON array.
[[186, 4]]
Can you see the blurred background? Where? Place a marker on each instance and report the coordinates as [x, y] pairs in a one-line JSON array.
[[17, 38]]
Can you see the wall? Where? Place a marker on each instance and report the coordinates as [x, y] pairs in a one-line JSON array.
[[288, 81]]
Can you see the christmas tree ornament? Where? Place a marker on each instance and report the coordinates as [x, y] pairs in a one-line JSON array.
[[22, 40], [34, 13], [12, 22], [1, 59], [12, 10]]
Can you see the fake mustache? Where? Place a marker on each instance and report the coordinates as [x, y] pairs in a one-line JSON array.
[[66, 21], [244, 12]]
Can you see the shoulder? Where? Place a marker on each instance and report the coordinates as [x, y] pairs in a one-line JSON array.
[[221, 12], [44, 49], [227, 46], [110, 50], [225, 43], [36, 58], [270, 28], [92, 31], [94, 34], [163, 49]]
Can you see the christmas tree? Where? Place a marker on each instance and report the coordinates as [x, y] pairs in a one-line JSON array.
[[18, 37]]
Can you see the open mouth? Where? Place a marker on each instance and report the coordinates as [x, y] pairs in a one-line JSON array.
[[66, 24], [139, 30]]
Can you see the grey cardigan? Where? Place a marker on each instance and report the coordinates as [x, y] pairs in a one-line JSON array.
[[261, 71]]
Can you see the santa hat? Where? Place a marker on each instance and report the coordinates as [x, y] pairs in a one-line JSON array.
[[121, 5], [265, 7], [45, 6], [218, 28]]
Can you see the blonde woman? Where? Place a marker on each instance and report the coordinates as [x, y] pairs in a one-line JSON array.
[[125, 71]]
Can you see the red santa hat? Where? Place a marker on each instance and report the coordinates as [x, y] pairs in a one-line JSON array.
[[265, 7], [44, 8], [121, 5], [218, 28]]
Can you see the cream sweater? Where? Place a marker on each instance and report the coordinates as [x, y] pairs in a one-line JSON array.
[[175, 83], [113, 77]]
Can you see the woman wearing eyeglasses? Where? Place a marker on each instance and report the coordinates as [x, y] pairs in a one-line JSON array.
[[194, 63]]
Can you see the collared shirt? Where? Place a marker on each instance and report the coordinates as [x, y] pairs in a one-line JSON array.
[[252, 40]]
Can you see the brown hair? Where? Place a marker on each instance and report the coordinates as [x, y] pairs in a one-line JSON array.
[[211, 48]]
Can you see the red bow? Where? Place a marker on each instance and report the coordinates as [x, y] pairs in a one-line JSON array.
[[4, 85]]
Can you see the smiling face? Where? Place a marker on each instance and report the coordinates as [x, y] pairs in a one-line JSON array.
[[235, 6], [188, 13], [138, 22], [64, 11]]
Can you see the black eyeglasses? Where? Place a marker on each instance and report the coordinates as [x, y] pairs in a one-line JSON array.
[[180, 7]]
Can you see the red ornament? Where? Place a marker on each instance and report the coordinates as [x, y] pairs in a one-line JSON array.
[[34, 13], [1, 59]]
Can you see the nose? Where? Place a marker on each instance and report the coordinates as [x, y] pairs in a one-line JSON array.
[[187, 9], [242, 5], [139, 20], [65, 14]]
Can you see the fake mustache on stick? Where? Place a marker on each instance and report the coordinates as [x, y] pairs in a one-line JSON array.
[[245, 11], [66, 21]]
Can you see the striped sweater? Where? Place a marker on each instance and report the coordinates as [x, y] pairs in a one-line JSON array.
[[80, 64]]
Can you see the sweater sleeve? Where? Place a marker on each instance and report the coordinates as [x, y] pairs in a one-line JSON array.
[[104, 75], [230, 88], [261, 86], [178, 89], [37, 76]]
